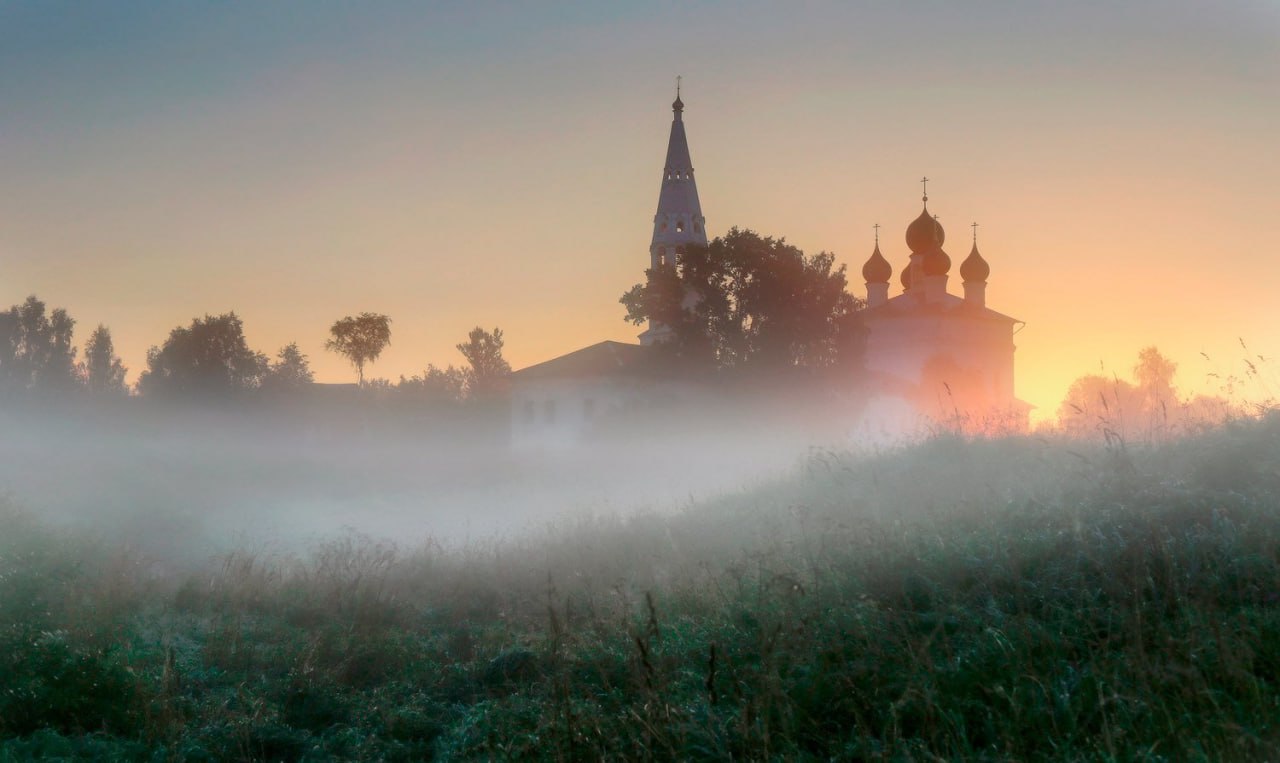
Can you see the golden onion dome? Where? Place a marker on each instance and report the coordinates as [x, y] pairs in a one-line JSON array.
[[877, 269], [974, 268], [925, 233], [935, 262]]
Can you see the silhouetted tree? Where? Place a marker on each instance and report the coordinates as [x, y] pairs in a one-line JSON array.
[[36, 350], [289, 372], [436, 387], [208, 359], [1149, 406], [752, 302], [1154, 376], [360, 339], [488, 373], [1096, 403], [104, 372]]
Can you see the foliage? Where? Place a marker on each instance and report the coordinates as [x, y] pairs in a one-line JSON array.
[[1148, 407], [104, 372], [360, 339], [289, 372], [209, 359], [752, 302], [1017, 599], [488, 372], [436, 387], [36, 350]]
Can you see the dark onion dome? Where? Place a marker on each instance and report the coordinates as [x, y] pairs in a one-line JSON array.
[[906, 278], [974, 268], [924, 233], [877, 269], [677, 104], [935, 262]]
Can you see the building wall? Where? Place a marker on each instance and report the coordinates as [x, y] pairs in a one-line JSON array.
[[924, 350]]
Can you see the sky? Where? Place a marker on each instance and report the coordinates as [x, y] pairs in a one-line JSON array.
[[498, 164]]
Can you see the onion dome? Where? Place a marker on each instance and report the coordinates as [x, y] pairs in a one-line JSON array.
[[677, 104], [935, 262], [925, 233], [974, 268], [877, 269], [906, 278]]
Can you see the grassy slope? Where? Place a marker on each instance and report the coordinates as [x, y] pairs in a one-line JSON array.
[[1009, 599]]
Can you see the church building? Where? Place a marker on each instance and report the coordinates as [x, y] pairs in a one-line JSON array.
[[930, 355]]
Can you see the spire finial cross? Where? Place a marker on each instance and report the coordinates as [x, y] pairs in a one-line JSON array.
[[975, 233], [678, 78], [877, 227], [924, 185]]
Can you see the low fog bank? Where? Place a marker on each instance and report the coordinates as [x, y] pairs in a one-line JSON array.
[[198, 481]]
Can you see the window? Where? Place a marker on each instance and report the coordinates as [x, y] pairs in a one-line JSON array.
[[679, 226], [662, 259]]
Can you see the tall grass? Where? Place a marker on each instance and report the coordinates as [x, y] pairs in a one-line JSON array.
[[1018, 598]]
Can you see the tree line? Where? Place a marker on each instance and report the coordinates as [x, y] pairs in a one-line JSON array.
[[210, 359]]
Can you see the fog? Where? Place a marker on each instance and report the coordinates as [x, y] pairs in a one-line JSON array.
[[175, 481]]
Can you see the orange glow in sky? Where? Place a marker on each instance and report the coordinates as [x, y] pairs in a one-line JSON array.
[[464, 167]]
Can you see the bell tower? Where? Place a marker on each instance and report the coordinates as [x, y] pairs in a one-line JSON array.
[[678, 222]]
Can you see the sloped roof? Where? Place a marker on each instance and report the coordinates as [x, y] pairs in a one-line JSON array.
[[600, 359], [908, 304]]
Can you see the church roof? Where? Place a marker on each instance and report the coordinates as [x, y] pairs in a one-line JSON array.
[[601, 359], [907, 305]]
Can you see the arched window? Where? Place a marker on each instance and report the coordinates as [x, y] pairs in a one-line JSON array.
[[679, 226]]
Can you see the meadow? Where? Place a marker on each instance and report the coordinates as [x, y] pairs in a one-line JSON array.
[[1017, 598]]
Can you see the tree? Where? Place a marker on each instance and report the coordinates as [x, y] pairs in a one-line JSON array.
[[360, 339], [1096, 403], [209, 359], [752, 303], [36, 350], [104, 372], [1154, 376], [289, 372], [436, 387], [488, 373]]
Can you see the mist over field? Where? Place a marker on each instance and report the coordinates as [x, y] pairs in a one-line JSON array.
[[201, 480]]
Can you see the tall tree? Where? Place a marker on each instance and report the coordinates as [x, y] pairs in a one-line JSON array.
[[488, 373], [36, 350], [1154, 376], [208, 359], [104, 372], [360, 339], [747, 301], [289, 372]]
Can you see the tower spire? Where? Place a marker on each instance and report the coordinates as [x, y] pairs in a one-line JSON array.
[[679, 221]]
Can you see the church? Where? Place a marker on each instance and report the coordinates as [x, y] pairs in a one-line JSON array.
[[931, 356]]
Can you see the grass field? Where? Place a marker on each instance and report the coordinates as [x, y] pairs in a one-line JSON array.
[[1020, 598]]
